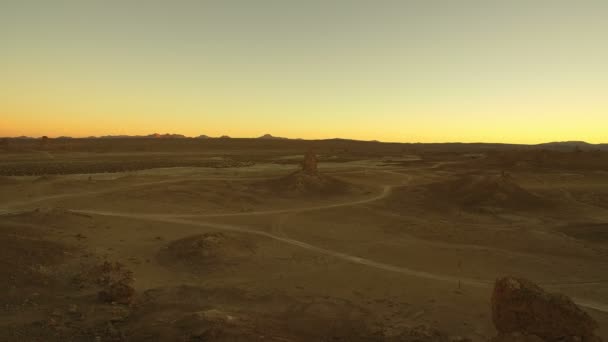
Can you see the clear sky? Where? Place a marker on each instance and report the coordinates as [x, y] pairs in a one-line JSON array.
[[522, 71]]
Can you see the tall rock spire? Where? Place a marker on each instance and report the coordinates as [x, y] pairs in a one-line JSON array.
[[309, 164]]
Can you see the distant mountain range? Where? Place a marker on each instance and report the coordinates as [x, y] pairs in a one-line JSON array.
[[555, 145], [176, 136], [154, 135]]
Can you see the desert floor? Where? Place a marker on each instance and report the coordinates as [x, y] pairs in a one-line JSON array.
[[378, 244]]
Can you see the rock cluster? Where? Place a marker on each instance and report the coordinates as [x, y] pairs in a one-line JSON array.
[[202, 253], [116, 282], [522, 311]]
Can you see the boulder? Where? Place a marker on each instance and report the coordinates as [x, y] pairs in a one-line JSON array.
[[521, 307], [119, 292]]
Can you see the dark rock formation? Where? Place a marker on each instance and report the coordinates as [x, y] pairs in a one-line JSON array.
[[203, 252], [309, 164], [521, 309], [120, 293]]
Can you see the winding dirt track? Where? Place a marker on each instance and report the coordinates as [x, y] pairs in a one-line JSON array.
[[339, 255], [386, 191], [9, 207], [118, 188], [350, 258]]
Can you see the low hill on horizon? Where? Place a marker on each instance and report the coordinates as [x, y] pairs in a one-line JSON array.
[[270, 136]]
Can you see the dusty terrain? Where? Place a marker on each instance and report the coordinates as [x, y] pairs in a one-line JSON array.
[[227, 244]]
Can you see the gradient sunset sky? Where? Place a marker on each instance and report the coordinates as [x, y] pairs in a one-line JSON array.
[[521, 71]]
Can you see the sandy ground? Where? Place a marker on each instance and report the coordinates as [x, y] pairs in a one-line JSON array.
[[397, 246]]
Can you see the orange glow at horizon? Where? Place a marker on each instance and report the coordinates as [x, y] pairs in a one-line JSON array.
[[388, 71]]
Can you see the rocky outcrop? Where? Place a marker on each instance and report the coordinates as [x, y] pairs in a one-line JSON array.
[[522, 311], [115, 281], [204, 252], [309, 164], [119, 292]]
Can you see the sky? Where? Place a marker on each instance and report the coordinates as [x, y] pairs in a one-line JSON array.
[[517, 71]]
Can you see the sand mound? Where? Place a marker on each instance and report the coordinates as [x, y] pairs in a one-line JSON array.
[[207, 251], [304, 184], [487, 191]]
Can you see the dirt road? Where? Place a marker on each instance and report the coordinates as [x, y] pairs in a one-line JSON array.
[[350, 258]]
